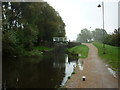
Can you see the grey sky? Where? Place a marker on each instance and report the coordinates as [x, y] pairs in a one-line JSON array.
[[79, 14]]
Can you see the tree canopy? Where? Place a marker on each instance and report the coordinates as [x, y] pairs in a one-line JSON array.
[[99, 34], [84, 36], [27, 24]]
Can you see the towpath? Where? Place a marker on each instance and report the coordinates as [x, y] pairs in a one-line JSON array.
[[96, 72]]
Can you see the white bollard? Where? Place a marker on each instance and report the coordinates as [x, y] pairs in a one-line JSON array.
[[83, 78]]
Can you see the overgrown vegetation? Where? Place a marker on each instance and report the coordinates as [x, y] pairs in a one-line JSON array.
[[111, 56], [81, 51], [29, 24]]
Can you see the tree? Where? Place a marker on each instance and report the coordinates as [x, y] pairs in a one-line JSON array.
[[98, 34], [113, 39], [84, 36]]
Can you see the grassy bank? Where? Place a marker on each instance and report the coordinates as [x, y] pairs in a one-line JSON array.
[[42, 48], [81, 49], [37, 51], [111, 56]]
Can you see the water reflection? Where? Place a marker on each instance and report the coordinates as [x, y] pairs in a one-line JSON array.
[[80, 64], [52, 70], [68, 70]]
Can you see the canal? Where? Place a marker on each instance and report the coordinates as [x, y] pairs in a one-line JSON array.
[[49, 71]]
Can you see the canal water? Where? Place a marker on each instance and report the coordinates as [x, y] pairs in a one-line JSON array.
[[49, 71]]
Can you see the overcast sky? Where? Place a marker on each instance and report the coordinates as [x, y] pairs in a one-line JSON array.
[[80, 14]]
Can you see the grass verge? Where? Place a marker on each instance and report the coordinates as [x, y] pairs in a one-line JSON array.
[[111, 56], [82, 50]]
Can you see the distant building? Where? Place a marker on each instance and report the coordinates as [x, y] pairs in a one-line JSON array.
[[59, 39]]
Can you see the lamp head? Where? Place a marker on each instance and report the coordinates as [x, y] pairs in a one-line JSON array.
[[99, 5]]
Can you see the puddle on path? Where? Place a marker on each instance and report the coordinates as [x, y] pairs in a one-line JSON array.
[[112, 72]]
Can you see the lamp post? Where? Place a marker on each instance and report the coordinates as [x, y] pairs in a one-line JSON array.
[[103, 25]]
